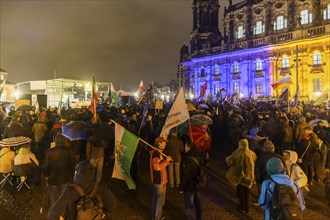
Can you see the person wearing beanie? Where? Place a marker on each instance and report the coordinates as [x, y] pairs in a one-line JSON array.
[[267, 152], [84, 177], [277, 172], [241, 172]]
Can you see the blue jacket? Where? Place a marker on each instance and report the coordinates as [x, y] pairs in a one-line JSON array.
[[267, 189]]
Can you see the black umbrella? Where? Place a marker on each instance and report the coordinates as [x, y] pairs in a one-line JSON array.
[[103, 130], [24, 108]]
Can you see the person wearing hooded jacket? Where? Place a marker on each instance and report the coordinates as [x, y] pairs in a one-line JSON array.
[[294, 171], [84, 176], [189, 172], [276, 169], [241, 172]]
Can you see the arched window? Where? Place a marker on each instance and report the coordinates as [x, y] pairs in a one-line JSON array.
[[285, 62], [258, 65], [259, 27], [326, 12], [280, 23], [240, 32], [305, 17], [317, 59]]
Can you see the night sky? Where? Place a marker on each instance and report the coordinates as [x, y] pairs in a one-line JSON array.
[[123, 41]]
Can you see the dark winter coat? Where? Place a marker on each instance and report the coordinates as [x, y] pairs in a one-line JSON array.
[[58, 165], [189, 171], [260, 169], [84, 177], [174, 148]]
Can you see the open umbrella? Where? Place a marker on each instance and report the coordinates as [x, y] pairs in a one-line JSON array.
[[202, 106], [102, 130], [200, 137], [313, 123], [191, 107], [15, 141], [24, 108], [201, 119], [75, 130]]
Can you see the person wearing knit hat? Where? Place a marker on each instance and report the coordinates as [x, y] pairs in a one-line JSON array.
[[267, 153], [269, 146], [277, 171], [275, 166]]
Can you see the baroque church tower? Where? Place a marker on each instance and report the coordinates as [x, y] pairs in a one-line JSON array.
[[205, 33]]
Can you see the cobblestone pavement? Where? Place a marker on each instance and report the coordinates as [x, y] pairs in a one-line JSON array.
[[219, 200]]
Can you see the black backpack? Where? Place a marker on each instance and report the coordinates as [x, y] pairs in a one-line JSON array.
[[89, 206], [202, 178], [285, 204]]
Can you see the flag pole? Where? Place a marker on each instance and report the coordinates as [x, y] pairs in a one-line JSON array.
[[155, 148], [192, 139]]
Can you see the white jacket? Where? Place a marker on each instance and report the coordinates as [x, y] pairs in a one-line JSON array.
[[294, 171]]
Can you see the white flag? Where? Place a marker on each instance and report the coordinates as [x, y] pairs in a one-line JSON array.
[[177, 115]]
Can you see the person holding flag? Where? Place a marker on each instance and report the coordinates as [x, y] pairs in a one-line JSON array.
[[158, 173]]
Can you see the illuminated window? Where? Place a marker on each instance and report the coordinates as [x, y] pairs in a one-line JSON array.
[[285, 62], [259, 28], [326, 13], [216, 88], [236, 68], [216, 71], [305, 17], [317, 85], [317, 59], [236, 87], [280, 23], [258, 65], [240, 32], [2, 77], [258, 87]]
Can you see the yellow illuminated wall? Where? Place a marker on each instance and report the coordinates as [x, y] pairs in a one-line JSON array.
[[313, 76]]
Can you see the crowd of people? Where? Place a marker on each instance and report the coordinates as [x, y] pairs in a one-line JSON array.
[[265, 144]]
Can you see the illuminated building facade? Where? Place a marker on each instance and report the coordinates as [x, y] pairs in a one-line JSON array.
[[261, 42]]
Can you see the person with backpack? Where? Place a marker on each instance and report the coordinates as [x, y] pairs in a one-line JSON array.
[[191, 182], [241, 173], [79, 201], [280, 197]]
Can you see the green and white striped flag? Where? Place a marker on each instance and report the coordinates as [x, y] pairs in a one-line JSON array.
[[125, 146]]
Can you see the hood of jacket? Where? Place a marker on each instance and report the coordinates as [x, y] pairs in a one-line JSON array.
[[282, 179], [84, 175], [293, 156]]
